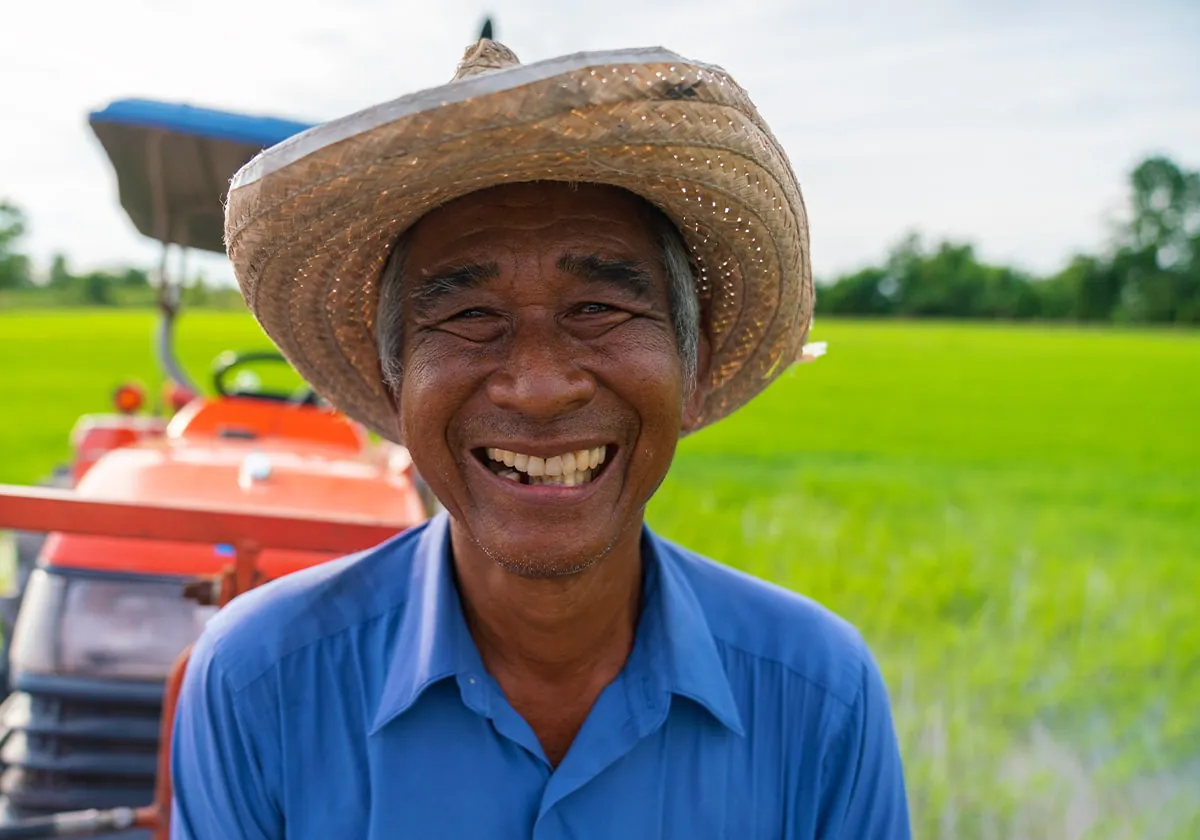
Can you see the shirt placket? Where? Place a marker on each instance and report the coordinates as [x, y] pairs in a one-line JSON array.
[[627, 711]]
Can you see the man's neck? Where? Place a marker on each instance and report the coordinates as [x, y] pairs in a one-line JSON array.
[[552, 631]]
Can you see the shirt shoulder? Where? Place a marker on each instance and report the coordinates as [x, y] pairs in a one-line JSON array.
[[259, 628], [770, 623]]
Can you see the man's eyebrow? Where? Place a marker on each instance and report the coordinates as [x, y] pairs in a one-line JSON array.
[[434, 287], [631, 275]]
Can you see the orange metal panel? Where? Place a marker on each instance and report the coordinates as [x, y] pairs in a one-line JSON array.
[[64, 511], [267, 419]]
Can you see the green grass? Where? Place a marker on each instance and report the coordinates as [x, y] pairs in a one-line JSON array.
[[1011, 516]]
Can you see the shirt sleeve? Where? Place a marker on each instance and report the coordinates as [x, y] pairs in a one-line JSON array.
[[218, 758], [864, 795]]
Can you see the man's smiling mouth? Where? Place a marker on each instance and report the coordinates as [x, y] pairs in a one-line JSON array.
[[569, 469]]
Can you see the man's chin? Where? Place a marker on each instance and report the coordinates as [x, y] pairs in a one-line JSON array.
[[540, 563], [536, 569], [541, 559]]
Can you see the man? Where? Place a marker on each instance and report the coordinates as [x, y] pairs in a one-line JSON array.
[[537, 278]]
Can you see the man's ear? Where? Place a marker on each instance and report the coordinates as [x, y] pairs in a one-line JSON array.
[[693, 402]]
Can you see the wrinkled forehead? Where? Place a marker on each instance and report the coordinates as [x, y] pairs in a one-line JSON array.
[[593, 233]]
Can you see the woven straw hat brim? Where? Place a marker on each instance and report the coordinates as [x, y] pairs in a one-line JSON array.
[[311, 222]]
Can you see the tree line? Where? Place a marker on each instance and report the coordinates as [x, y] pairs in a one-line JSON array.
[[1149, 273], [61, 286]]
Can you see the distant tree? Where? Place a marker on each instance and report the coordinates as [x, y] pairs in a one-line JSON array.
[[96, 288], [1189, 310], [135, 278], [944, 283], [1008, 294], [863, 293], [60, 273], [1088, 289], [950, 281], [1157, 257], [14, 266], [12, 226], [1056, 296], [1166, 209]]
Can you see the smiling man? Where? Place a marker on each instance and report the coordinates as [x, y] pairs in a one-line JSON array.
[[538, 278]]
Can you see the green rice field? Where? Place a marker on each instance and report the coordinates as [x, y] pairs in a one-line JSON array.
[[1011, 515]]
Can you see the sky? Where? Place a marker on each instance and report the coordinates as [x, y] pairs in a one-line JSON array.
[[1011, 124]]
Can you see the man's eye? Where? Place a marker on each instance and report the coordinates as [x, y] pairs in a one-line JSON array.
[[467, 314], [595, 308]]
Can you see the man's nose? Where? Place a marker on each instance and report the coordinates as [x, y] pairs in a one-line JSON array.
[[540, 375]]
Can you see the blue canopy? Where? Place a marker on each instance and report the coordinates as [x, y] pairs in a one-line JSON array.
[[198, 122], [174, 163]]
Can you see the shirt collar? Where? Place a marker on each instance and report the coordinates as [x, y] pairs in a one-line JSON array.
[[674, 638], [433, 642], [674, 651]]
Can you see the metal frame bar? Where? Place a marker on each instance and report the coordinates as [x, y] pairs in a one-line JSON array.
[[46, 509]]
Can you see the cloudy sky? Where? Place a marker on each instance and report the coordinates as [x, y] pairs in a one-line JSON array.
[[1010, 123]]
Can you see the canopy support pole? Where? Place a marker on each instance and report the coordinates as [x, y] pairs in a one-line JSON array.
[[168, 292]]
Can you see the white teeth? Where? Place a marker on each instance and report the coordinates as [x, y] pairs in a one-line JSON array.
[[569, 469]]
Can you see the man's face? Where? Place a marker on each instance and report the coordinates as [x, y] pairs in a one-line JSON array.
[[537, 338]]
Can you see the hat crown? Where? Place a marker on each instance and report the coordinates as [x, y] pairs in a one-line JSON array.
[[484, 56]]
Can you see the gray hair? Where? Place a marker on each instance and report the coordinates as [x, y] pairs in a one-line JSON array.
[[682, 297]]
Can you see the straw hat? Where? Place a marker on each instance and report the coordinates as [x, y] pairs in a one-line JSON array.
[[310, 222]]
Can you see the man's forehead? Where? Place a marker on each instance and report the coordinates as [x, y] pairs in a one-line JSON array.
[[592, 234]]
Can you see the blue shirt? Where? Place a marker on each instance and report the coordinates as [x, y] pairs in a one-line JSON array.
[[349, 701]]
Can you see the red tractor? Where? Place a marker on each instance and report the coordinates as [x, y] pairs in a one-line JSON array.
[[161, 518]]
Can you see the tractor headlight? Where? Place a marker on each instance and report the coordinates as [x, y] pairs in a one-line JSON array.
[[103, 628]]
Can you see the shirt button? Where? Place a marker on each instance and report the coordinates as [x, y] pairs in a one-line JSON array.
[[471, 680]]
